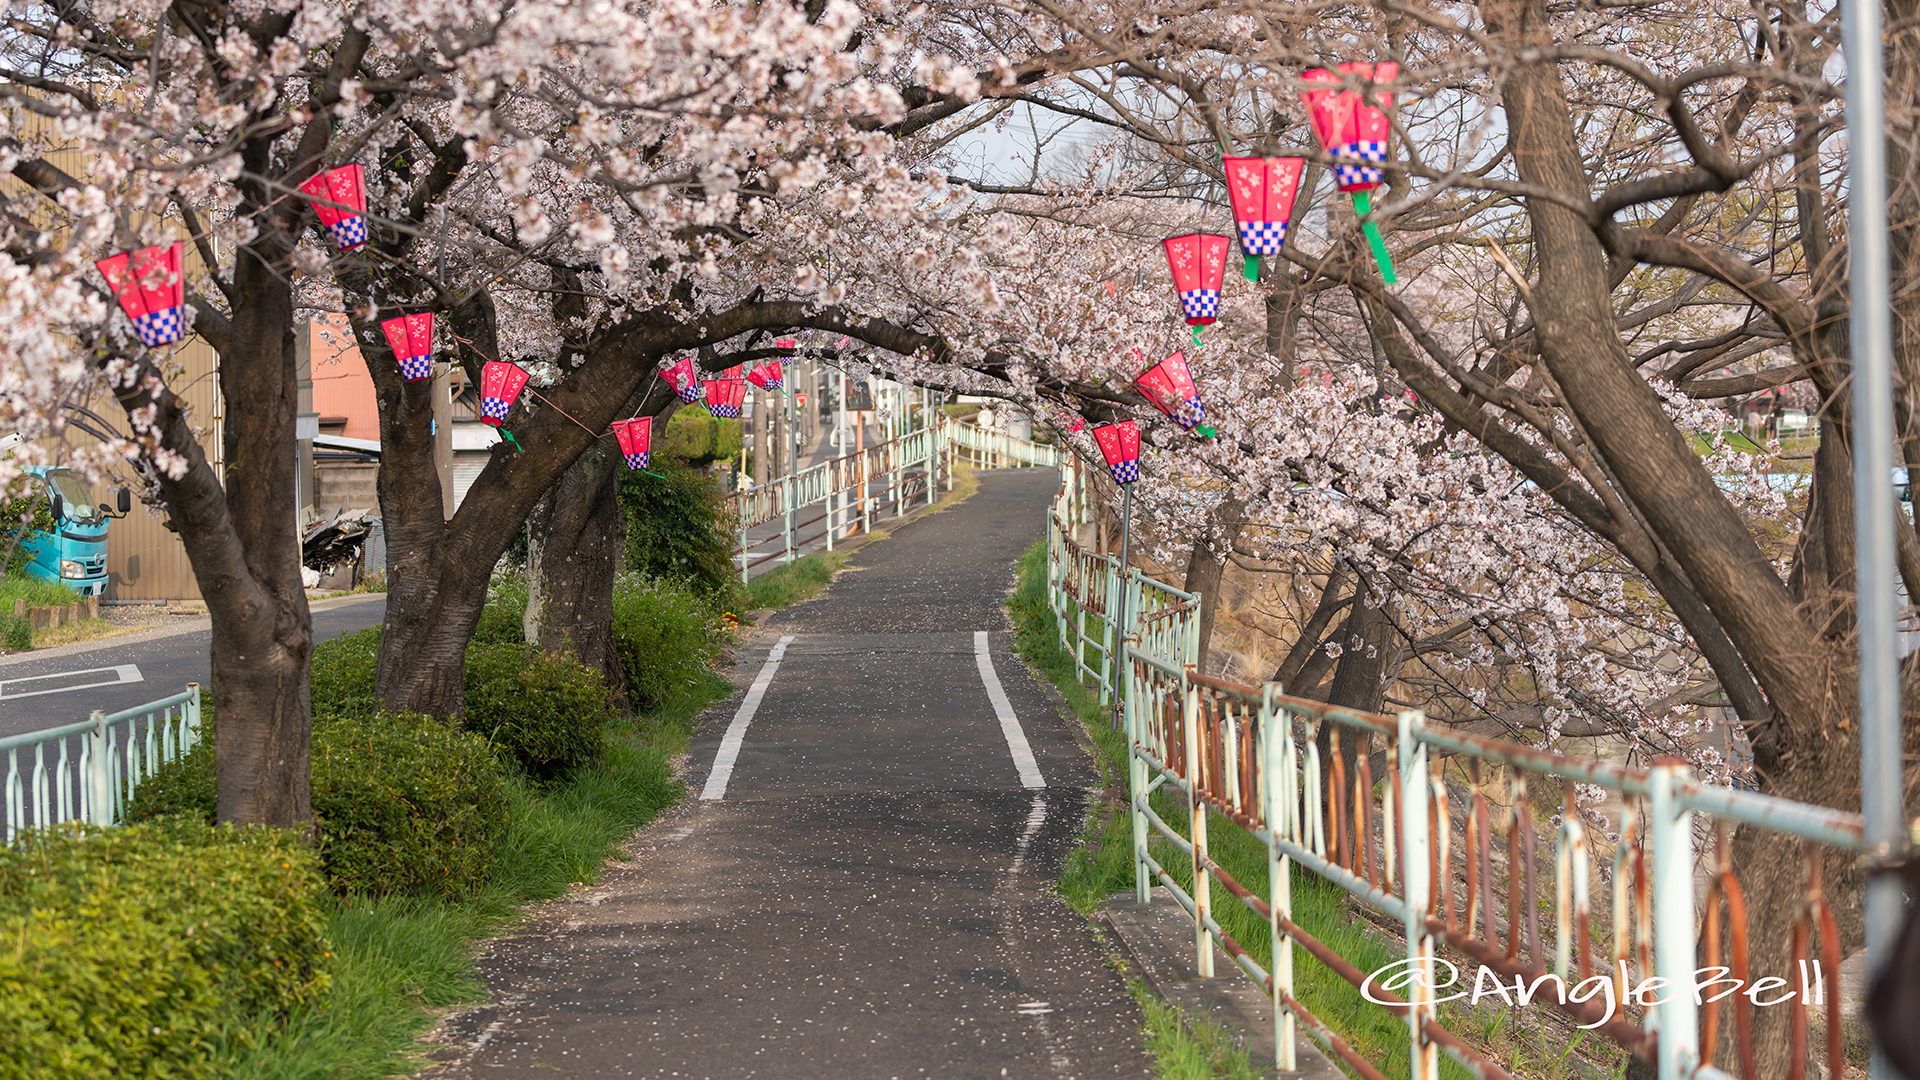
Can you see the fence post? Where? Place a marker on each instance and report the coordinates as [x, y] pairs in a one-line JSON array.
[[1278, 782], [1417, 890], [740, 504], [190, 726], [1671, 831], [1197, 828], [1135, 708], [99, 772]]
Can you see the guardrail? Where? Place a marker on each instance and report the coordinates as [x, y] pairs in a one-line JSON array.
[[1300, 777], [95, 784], [854, 489]]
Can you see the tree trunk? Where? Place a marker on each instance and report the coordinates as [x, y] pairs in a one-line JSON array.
[[578, 542], [1207, 564], [262, 630]]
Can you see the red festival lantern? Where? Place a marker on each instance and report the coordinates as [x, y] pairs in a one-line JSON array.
[[636, 440], [152, 289], [339, 196], [684, 378], [1353, 129], [1120, 445], [767, 376], [411, 337], [786, 346], [724, 397], [1170, 387], [500, 385], [1262, 191], [1198, 262]]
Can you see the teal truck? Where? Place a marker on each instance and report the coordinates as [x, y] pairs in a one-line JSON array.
[[75, 552]]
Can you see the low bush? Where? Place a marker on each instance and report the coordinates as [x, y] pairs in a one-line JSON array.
[[542, 711], [503, 619], [666, 636], [135, 951], [677, 527], [17, 633], [403, 804], [343, 674]]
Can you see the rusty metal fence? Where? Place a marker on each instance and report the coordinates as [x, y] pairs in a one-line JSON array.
[[841, 497], [1444, 836]]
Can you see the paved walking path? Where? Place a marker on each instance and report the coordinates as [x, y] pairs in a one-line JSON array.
[[859, 882]]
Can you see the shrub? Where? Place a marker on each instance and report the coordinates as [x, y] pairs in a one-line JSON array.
[[132, 950], [343, 675], [403, 804], [543, 711], [406, 804], [17, 633], [667, 637], [677, 527], [503, 619]]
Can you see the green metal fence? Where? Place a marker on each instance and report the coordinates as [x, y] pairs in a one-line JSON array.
[[1357, 799], [87, 771]]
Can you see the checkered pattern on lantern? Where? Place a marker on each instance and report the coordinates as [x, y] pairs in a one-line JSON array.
[[160, 327], [349, 232], [689, 393], [637, 461], [724, 412], [415, 368], [493, 408], [1352, 176], [1189, 413], [1262, 237], [1201, 303], [1126, 472]]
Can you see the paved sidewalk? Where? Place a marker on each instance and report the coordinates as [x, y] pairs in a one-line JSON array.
[[859, 884]]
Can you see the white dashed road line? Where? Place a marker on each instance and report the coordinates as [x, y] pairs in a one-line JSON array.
[[1009, 723], [716, 788]]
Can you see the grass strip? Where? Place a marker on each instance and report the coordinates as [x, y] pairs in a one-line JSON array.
[[1103, 866], [397, 960]]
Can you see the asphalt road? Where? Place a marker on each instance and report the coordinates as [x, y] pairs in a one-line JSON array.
[[59, 686], [859, 884]]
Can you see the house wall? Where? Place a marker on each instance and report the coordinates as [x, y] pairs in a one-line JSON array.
[[342, 386]]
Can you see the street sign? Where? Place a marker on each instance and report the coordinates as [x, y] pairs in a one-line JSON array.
[[859, 396], [801, 398]]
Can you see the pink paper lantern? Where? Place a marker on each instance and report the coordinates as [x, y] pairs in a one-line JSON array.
[[152, 289], [1352, 128], [767, 376], [786, 345], [500, 386], [1198, 262], [1170, 387], [343, 213], [725, 396], [684, 377], [411, 337], [1120, 445], [636, 440], [1262, 191]]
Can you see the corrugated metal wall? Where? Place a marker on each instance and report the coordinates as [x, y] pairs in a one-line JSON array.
[[145, 561]]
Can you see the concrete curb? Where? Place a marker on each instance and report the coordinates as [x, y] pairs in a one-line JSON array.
[[186, 625]]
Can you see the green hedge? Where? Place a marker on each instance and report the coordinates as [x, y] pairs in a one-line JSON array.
[[406, 804], [131, 951], [543, 711], [667, 638], [343, 675], [403, 804]]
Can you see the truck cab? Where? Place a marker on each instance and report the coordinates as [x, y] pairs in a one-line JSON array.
[[75, 552]]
